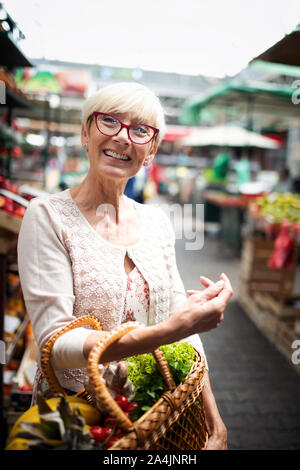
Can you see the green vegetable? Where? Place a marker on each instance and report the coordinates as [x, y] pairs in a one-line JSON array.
[[148, 382]]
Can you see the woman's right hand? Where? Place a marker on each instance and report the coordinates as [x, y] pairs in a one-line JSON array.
[[203, 310]]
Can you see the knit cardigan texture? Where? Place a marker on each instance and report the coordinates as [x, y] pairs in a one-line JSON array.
[[67, 270]]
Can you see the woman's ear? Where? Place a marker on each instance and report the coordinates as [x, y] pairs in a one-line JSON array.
[[152, 155], [84, 138]]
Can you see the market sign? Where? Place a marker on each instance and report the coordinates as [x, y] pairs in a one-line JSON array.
[[39, 82], [67, 82]]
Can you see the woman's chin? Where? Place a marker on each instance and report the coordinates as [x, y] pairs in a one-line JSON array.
[[113, 172]]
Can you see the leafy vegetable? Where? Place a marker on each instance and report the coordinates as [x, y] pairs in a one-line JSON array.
[[148, 382]]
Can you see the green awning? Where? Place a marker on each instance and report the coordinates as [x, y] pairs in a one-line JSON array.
[[277, 69], [266, 97]]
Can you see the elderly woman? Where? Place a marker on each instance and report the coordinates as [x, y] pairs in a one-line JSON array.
[[91, 250]]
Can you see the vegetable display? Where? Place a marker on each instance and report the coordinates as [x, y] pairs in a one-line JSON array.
[[279, 207]]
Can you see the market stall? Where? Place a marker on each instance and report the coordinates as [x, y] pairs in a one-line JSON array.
[[231, 213], [14, 324], [269, 270]]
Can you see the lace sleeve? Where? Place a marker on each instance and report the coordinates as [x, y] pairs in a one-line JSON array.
[[46, 278]]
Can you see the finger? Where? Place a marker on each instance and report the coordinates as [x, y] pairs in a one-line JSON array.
[[211, 291], [227, 291], [192, 292], [205, 281], [225, 278]]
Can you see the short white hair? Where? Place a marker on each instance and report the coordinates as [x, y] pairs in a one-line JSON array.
[[127, 97]]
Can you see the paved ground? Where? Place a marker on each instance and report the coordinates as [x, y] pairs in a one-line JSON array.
[[256, 388]]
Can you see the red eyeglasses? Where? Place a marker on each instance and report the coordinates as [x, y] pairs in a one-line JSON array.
[[138, 133]]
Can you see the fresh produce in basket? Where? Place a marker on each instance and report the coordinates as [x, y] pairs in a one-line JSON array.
[[147, 380], [57, 423], [65, 424]]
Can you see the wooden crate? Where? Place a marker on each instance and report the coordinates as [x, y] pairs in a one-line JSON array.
[[8, 241], [10, 222], [280, 332], [260, 315], [285, 338], [258, 275], [283, 307]]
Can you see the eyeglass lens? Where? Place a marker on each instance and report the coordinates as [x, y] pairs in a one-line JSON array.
[[138, 133]]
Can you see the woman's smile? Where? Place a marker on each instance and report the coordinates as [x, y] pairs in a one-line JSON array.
[[116, 155]]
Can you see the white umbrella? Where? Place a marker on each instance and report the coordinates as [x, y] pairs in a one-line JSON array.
[[229, 136]]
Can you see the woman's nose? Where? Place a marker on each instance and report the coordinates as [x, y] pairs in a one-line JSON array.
[[122, 136]]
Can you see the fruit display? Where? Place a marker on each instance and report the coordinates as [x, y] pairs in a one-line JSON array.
[[11, 200], [277, 207]]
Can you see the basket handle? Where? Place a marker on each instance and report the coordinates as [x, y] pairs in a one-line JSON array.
[[46, 366], [104, 396]]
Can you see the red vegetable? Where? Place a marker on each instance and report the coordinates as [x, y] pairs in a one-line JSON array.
[[26, 388], [283, 250], [132, 407], [122, 402], [20, 211], [112, 440], [109, 422], [99, 433]]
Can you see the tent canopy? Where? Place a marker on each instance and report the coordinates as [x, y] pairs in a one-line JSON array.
[[227, 136], [265, 97], [285, 51]]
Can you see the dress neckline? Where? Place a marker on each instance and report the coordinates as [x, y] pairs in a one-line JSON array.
[[123, 247]]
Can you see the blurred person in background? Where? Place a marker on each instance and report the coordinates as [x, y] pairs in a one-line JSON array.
[[92, 250]]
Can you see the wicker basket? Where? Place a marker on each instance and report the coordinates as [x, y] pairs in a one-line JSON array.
[[175, 422]]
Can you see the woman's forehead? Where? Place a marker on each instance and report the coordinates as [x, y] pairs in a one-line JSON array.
[[128, 116]]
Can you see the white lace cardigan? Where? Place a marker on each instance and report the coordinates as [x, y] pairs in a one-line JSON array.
[[67, 270]]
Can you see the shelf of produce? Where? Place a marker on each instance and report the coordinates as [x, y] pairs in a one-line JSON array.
[[15, 100], [19, 334], [11, 54], [10, 222]]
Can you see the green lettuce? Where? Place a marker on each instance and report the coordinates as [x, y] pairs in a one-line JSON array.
[[148, 382]]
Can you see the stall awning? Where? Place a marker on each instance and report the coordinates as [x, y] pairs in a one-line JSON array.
[[174, 133], [227, 136], [285, 51], [265, 97]]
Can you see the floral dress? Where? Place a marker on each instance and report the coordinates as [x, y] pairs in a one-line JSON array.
[[136, 308]]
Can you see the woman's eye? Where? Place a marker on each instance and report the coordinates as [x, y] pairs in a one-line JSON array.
[[140, 129], [109, 120]]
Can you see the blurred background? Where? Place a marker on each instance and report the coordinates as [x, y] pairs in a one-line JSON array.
[[228, 76]]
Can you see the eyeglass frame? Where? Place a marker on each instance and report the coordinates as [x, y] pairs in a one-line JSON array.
[[127, 126]]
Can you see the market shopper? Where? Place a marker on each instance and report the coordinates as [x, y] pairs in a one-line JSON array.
[[91, 250]]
